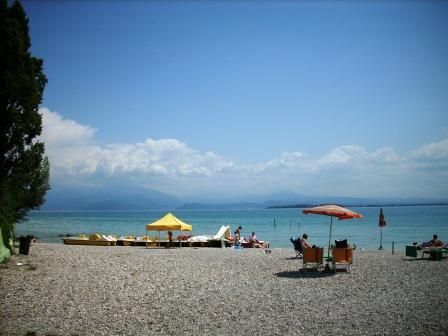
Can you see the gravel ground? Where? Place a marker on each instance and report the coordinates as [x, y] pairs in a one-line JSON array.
[[89, 290]]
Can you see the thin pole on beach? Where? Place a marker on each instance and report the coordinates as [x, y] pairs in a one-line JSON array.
[[180, 238], [381, 239], [329, 239]]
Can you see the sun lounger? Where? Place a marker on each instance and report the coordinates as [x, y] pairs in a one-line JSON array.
[[223, 234], [199, 241]]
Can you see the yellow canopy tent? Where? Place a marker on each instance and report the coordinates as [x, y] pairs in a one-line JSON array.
[[169, 222]]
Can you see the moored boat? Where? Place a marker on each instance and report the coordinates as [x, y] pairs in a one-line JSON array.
[[95, 239]]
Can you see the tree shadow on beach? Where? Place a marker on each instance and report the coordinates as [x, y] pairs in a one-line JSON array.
[[302, 274]]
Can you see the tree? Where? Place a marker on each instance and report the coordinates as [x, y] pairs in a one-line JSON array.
[[24, 167]]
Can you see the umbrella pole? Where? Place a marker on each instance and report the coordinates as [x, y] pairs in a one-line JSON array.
[[159, 238], [329, 239], [381, 239]]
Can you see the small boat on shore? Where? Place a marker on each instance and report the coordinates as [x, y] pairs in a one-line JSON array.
[[95, 239]]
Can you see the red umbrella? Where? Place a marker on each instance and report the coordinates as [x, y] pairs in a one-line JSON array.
[[333, 211]]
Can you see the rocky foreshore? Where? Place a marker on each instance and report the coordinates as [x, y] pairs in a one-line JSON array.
[[88, 290]]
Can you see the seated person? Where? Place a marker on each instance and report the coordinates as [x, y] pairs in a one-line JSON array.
[[253, 238], [435, 242], [256, 243], [303, 241]]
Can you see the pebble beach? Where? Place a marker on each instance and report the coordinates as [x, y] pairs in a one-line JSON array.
[[90, 290]]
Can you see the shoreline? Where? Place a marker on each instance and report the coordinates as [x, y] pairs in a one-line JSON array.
[[90, 290], [397, 249]]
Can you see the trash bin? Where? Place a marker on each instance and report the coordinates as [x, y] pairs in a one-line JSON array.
[[436, 255], [24, 247]]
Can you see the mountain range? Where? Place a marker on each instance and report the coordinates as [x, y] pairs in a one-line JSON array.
[[139, 198]]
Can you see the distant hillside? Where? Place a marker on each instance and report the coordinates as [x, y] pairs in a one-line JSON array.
[[229, 206], [294, 206], [137, 198], [109, 198]]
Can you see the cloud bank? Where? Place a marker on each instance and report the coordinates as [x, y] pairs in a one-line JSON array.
[[170, 165]]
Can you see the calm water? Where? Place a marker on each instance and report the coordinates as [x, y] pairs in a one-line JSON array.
[[404, 224]]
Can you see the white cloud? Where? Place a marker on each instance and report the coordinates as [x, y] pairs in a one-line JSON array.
[[386, 155], [69, 146], [172, 166], [343, 154], [58, 131], [432, 151]]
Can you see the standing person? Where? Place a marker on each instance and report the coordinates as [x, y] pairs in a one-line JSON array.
[[238, 234], [303, 241], [170, 240]]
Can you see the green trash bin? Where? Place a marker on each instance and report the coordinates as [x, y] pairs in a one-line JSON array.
[[436, 255], [411, 251]]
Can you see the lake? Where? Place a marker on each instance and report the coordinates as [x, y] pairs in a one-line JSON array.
[[405, 224]]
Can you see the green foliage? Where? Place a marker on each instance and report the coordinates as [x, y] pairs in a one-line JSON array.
[[24, 168]]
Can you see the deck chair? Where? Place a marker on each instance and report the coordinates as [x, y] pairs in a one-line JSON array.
[[297, 246], [342, 256], [313, 256], [220, 238]]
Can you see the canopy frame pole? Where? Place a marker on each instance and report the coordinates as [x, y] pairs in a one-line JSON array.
[[146, 243], [180, 238], [329, 239], [159, 238]]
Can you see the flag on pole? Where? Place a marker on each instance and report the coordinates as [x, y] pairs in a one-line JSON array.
[[382, 221]]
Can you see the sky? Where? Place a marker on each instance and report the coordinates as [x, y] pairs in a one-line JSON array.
[[228, 98]]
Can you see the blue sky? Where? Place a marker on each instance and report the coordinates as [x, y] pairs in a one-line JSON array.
[[321, 98]]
